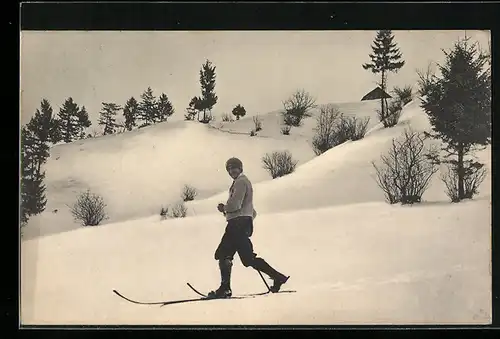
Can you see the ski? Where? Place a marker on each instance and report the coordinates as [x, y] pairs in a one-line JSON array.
[[203, 297], [138, 302], [171, 302]]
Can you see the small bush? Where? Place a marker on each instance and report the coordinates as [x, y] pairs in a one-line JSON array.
[[394, 110], [179, 210], [189, 116], [326, 124], [164, 213], [352, 128], [407, 169], [253, 133], [257, 122], [333, 128], [474, 174], [403, 94], [188, 193], [279, 164], [227, 118], [89, 209], [285, 130], [296, 108]]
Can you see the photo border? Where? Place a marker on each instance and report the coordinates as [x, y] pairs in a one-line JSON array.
[[257, 16]]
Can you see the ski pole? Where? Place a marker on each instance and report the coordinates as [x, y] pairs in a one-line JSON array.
[[264, 280]]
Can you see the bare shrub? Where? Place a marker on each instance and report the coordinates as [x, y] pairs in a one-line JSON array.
[[279, 163], [326, 124], [353, 128], [296, 107], [188, 193], [333, 128], [403, 94], [407, 169], [394, 110], [474, 175], [285, 130], [179, 210], [164, 213], [89, 209], [257, 122], [227, 117]]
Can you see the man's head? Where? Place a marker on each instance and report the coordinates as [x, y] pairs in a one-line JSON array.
[[234, 167]]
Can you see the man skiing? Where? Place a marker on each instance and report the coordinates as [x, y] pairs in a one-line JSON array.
[[239, 213]]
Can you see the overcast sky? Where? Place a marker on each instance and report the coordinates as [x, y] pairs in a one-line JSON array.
[[256, 69]]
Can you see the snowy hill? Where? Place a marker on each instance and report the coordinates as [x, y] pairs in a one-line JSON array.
[[351, 257], [272, 121], [139, 172]]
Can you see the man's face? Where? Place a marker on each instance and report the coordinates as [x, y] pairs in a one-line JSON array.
[[233, 172]]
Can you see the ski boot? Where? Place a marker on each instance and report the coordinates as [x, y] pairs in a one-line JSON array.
[[221, 293], [278, 282]]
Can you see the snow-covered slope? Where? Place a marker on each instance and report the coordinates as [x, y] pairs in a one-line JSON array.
[[368, 263], [272, 121], [140, 171], [351, 257], [341, 176]]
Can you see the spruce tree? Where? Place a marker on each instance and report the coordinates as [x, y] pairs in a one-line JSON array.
[[130, 113], [69, 120], [38, 149], [83, 122], [147, 107], [33, 155], [385, 57], [108, 117], [458, 105], [47, 127], [164, 108], [207, 82]]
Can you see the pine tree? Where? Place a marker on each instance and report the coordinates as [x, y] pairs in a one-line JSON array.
[[83, 122], [36, 138], [207, 82], [44, 124], [385, 57], [108, 117], [147, 107], [458, 105], [130, 113], [164, 108], [33, 155], [239, 112], [69, 121]]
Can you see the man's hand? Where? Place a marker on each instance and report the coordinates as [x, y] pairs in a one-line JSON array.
[[220, 207]]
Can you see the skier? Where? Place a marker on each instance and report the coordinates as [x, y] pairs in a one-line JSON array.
[[239, 213]]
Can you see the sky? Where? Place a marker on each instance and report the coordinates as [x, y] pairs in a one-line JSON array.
[[257, 69]]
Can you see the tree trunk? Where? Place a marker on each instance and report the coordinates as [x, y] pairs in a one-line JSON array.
[[460, 171]]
